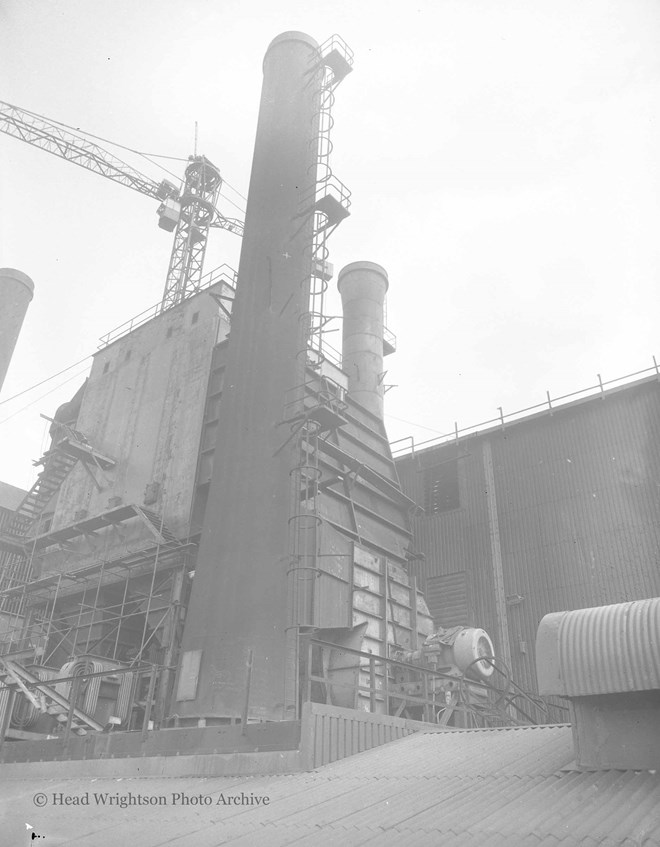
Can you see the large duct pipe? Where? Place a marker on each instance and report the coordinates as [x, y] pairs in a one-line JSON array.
[[363, 286], [239, 595], [16, 290]]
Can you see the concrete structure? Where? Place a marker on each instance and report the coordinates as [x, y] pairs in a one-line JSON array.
[[551, 512], [16, 292], [363, 286], [143, 406], [109, 517]]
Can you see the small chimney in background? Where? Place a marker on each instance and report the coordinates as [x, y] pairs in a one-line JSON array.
[[16, 291]]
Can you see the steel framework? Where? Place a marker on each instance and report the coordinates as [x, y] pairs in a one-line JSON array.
[[314, 408], [428, 694], [330, 201], [124, 611], [190, 212]]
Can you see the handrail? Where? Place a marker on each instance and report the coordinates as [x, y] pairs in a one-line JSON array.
[[501, 710], [56, 680], [223, 273], [548, 405]]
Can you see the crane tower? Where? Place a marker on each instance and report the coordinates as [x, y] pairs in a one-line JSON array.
[[189, 213]]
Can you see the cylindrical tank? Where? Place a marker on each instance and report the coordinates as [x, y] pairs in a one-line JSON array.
[[239, 595], [363, 286], [16, 290]]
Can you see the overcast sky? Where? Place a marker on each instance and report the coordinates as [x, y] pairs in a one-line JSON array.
[[502, 154]]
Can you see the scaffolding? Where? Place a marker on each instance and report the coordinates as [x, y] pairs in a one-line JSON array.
[[69, 447], [120, 611]]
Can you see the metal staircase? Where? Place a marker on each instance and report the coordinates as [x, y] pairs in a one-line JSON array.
[[70, 448], [48, 483], [155, 522]]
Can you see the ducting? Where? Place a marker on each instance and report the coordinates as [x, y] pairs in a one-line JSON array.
[[606, 662], [25, 715], [604, 650]]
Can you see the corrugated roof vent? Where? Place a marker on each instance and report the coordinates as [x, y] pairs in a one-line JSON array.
[[606, 661]]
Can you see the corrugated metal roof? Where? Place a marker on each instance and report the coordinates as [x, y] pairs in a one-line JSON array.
[[468, 787], [524, 751]]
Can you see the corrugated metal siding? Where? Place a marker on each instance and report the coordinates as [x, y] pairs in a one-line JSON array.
[[578, 503], [330, 733], [458, 540], [578, 506], [447, 599]]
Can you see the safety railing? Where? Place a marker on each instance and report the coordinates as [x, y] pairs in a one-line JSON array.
[[408, 444], [389, 341], [424, 693], [336, 42], [224, 274]]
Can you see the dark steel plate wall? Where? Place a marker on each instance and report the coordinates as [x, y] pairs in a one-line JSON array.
[[238, 598], [578, 504]]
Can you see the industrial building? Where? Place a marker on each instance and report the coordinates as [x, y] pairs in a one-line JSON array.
[[553, 509], [221, 488], [223, 570]]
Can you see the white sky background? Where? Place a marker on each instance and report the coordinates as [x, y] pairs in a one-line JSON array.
[[502, 154]]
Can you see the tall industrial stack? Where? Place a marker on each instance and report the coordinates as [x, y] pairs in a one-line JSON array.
[[238, 600], [16, 290]]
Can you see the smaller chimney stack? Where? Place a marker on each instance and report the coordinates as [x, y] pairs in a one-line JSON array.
[[16, 290], [363, 286]]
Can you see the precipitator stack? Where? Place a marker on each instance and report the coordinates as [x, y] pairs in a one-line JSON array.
[[238, 600]]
